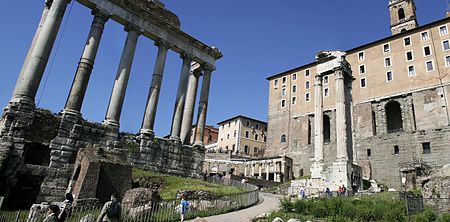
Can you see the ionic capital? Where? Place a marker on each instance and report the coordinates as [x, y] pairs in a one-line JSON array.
[[208, 67], [318, 80], [186, 56], [161, 43], [132, 28], [98, 13], [339, 74]]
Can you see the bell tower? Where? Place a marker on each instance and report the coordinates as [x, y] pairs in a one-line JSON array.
[[403, 15]]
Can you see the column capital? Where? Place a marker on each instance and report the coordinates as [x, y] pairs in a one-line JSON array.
[[161, 43], [101, 13], [187, 56], [208, 67], [339, 74], [318, 80], [130, 28], [48, 4]]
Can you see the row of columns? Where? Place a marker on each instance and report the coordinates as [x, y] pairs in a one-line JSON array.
[[277, 172], [37, 57], [341, 132]]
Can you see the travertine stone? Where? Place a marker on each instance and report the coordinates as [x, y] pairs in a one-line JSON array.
[[188, 112], [203, 104]]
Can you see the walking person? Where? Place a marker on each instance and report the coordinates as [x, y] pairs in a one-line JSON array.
[[52, 214], [111, 211], [183, 208], [65, 208]]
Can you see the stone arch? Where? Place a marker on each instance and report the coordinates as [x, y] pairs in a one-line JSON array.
[[394, 120], [401, 14], [326, 128]]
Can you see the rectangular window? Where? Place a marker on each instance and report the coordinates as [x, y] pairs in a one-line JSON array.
[[247, 134], [362, 69], [407, 41], [246, 149], [429, 65], [386, 48], [427, 51], [283, 91], [307, 97], [389, 76], [363, 83], [409, 56], [283, 103], [447, 61], [275, 83], [234, 134], [387, 62], [325, 80], [294, 76], [396, 150], [307, 72], [426, 147], [411, 71], [369, 152], [445, 45], [284, 80], [256, 136], [228, 136], [443, 30], [360, 56], [257, 126], [294, 88], [326, 92], [247, 123], [307, 85], [424, 36], [294, 100]]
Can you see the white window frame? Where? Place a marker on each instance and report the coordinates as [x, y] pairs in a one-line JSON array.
[[360, 82], [294, 100], [404, 42], [294, 87], [294, 76], [412, 56], [446, 28], [447, 64], [363, 56], [427, 36], [307, 85], [390, 62], [392, 76], [359, 69], [389, 48], [275, 83], [283, 91], [432, 63], [283, 101], [409, 74], [307, 72], [423, 51], [325, 90], [307, 97], [443, 48], [328, 80], [283, 81]]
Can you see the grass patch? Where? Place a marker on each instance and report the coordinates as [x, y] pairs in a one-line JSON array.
[[172, 184]]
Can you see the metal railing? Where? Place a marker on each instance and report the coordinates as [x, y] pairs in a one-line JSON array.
[[162, 211]]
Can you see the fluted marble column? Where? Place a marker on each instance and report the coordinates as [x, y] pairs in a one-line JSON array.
[[86, 64], [121, 82], [152, 102], [318, 119], [34, 66], [341, 127], [181, 98], [188, 113], [203, 105]]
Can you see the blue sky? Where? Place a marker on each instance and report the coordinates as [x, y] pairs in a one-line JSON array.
[[258, 38]]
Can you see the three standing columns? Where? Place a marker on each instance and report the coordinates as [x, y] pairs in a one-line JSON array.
[[33, 68], [181, 98], [341, 118], [203, 105], [86, 64], [318, 120], [152, 102], [121, 82]]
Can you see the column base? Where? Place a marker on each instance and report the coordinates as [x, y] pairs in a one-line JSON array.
[[111, 123], [23, 100], [175, 138], [199, 143], [317, 170], [71, 112], [147, 132]]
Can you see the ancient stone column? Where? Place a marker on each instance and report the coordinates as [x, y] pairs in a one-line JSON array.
[[267, 171], [181, 98], [253, 170], [203, 105], [86, 64], [245, 170], [341, 128], [33, 70], [153, 96], [188, 112], [260, 171], [121, 82], [318, 119]]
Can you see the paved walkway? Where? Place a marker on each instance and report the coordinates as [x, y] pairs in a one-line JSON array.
[[270, 202]]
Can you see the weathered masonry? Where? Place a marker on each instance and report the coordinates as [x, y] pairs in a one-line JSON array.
[[38, 149]]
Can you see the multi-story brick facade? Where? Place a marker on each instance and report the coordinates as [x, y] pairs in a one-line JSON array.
[[398, 102]]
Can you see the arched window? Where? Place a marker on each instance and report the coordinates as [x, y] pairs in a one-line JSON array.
[[394, 120], [283, 138], [403, 30], [326, 128], [401, 14]]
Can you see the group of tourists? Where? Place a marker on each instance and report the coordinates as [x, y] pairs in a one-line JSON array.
[[342, 191]]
